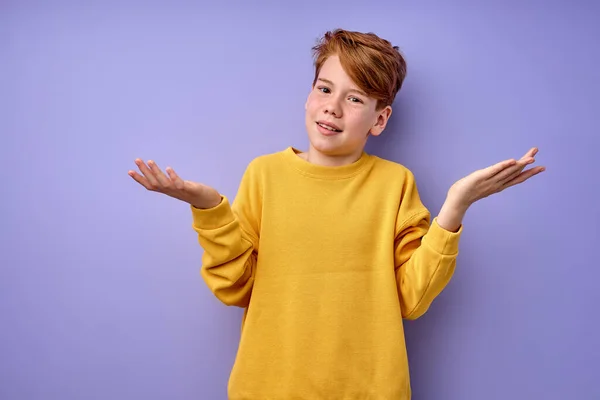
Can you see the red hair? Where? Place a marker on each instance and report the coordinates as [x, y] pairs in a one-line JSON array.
[[376, 66]]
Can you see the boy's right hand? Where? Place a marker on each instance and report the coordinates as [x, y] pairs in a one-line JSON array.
[[153, 179]]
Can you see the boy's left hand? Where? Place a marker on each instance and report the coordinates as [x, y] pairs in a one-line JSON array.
[[493, 179]]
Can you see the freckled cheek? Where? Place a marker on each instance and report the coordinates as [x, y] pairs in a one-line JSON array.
[[314, 105], [355, 121]]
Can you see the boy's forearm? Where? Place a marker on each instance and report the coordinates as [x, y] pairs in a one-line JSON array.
[[451, 214], [425, 267], [228, 260]]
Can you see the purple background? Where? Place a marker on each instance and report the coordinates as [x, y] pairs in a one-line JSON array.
[[100, 294]]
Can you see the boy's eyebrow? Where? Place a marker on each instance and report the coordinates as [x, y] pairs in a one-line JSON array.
[[327, 81]]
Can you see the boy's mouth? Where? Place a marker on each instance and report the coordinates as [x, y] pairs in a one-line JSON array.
[[329, 126]]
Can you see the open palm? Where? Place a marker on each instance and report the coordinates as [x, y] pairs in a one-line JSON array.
[[494, 179], [155, 180]]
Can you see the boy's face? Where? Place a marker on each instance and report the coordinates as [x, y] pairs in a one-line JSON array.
[[336, 102]]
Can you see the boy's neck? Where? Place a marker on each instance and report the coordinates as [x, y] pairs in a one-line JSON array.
[[313, 156]]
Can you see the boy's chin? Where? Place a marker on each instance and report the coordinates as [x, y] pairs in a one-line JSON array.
[[332, 148], [325, 145]]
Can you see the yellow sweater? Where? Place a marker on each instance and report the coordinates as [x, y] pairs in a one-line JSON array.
[[326, 262]]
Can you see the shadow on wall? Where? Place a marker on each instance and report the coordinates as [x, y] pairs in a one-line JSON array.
[[400, 138], [387, 144]]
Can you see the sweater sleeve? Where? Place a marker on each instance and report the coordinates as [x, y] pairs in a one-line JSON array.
[[229, 234], [425, 255]]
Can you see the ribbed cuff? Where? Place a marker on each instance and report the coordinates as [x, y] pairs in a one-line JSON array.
[[213, 218], [442, 240]]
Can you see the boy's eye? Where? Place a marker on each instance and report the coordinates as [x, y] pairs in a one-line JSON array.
[[324, 89]]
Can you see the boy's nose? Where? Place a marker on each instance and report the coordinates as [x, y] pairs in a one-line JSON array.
[[333, 108]]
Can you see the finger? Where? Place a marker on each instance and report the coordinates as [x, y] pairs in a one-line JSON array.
[[153, 182], [160, 176], [510, 170], [524, 176], [139, 179], [177, 181], [497, 168], [531, 153], [506, 176]]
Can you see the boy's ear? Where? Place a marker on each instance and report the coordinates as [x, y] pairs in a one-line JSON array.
[[382, 118]]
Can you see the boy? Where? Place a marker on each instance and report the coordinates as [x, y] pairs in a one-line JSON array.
[[329, 249]]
